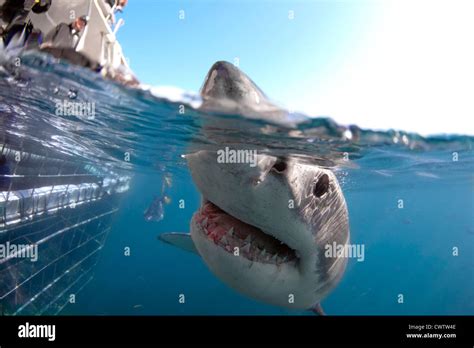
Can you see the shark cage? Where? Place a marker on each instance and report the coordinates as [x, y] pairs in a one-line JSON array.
[[55, 215]]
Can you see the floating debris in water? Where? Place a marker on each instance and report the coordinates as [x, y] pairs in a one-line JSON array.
[[72, 93]]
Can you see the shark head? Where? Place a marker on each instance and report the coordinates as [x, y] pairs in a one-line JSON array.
[[226, 82], [227, 89], [263, 228]]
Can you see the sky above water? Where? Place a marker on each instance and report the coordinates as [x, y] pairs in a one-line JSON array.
[[379, 64]]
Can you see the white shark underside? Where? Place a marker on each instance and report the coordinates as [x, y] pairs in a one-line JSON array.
[[263, 229]]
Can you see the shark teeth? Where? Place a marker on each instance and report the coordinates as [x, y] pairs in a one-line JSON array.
[[224, 240], [246, 248], [253, 246]]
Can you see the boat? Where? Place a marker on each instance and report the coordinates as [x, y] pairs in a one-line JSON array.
[[97, 45]]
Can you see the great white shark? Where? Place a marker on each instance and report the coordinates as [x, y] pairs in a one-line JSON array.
[[263, 228]]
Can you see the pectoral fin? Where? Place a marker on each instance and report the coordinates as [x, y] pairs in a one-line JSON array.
[[180, 240], [317, 309]]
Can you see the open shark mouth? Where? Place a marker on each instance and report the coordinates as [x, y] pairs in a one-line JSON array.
[[230, 233]]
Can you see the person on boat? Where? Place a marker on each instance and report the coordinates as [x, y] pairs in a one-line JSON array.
[[113, 6], [61, 42], [66, 35], [117, 5], [14, 13], [120, 5]]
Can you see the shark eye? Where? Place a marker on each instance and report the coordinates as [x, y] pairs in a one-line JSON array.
[[322, 186], [279, 166]]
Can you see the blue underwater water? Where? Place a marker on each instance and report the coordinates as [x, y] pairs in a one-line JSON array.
[[408, 250]]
